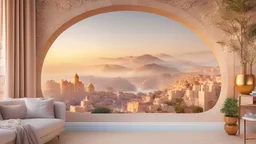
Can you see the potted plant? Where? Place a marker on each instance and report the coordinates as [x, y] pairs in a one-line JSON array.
[[231, 111], [236, 21]]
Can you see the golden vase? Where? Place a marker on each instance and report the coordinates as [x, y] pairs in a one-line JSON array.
[[230, 120], [245, 81], [231, 129]]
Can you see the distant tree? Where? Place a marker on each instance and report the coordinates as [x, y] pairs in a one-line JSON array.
[[179, 109], [102, 110], [197, 109]]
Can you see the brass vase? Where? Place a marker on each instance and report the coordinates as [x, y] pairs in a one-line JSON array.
[[245, 81], [230, 120], [231, 129]]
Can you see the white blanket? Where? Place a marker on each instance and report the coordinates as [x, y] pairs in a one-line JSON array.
[[25, 133]]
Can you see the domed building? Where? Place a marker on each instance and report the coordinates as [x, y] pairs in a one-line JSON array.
[[78, 85], [90, 88], [76, 79]]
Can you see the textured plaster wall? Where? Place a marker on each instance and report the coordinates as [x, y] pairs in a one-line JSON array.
[[54, 16]]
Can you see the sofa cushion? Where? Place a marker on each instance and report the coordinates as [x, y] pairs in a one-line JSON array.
[[13, 102], [7, 136], [13, 111], [39, 107], [1, 117], [45, 126]]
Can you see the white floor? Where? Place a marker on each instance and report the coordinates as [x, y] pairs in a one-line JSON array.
[[149, 138]]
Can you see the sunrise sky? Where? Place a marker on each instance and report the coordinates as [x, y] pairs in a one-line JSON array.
[[118, 34]]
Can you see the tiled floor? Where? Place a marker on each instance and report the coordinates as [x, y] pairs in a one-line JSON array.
[[149, 138]]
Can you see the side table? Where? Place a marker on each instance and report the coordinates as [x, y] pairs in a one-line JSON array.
[[245, 133], [248, 104]]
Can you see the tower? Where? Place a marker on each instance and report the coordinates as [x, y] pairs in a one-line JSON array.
[[61, 87], [78, 85], [90, 88], [75, 79], [85, 102]]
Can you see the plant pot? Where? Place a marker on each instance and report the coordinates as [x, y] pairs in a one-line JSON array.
[[231, 129], [230, 120], [245, 81]]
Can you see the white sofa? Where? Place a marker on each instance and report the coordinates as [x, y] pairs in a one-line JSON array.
[[46, 128]]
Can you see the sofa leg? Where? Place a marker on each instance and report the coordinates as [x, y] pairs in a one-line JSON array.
[[58, 137]]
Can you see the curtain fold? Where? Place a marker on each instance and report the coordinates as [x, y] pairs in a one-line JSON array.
[[2, 72], [20, 16]]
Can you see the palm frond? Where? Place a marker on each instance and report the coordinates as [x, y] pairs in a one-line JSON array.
[[222, 43], [252, 30], [235, 22], [240, 6]]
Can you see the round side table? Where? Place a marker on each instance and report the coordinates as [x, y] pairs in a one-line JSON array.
[[247, 118]]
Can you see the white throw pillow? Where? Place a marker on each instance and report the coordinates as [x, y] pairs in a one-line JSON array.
[[39, 107]]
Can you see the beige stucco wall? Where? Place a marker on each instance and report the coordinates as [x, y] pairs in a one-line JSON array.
[[54, 16]]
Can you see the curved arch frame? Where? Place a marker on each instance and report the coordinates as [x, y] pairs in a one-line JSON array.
[[113, 8]]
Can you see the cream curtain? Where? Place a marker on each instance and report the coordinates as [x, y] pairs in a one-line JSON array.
[[20, 42], [2, 62]]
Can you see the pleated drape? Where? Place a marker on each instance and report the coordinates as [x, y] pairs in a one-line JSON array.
[[20, 48], [2, 56]]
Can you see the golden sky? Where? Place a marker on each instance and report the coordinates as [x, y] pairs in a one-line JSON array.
[[119, 34]]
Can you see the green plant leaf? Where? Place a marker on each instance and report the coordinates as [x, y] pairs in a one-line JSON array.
[[230, 107]]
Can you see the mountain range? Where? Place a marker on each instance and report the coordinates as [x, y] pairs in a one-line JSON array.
[[162, 61], [139, 65], [155, 68], [144, 72]]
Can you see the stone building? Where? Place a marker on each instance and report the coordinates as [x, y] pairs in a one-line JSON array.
[[85, 106], [174, 94], [90, 88], [78, 85], [133, 106]]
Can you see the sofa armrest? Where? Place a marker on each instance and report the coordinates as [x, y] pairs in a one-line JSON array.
[[60, 110]]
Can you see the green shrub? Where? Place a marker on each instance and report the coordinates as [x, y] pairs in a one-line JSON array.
[[179, 109], [197, 109], [101, 110], [230, 107]]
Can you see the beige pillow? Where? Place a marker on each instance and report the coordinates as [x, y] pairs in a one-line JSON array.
[[13, 111], [39, 107]]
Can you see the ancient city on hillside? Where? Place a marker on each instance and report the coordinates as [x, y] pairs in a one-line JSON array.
[[161, 91]]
